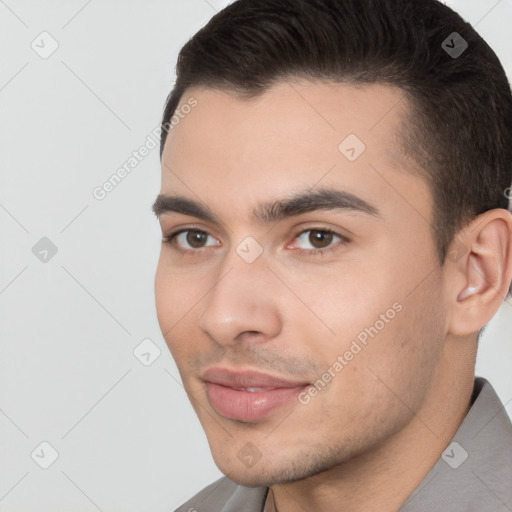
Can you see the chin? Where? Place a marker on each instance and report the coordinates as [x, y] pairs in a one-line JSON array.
[[253, 478], [259, 475], [269, 473]]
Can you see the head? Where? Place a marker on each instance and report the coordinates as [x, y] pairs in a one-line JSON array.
[[334, 208]]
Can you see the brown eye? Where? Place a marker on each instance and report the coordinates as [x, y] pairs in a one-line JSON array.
[[191, 239], [320, 239], [196, 239]]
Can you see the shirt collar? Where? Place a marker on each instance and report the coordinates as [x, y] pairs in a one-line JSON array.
[[473, 474]]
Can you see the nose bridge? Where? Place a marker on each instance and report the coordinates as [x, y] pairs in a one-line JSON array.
[[241, 299]]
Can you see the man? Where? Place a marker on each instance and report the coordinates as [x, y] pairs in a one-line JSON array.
[[335, 184]]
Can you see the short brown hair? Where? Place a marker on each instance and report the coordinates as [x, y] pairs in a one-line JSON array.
[[459, 127]]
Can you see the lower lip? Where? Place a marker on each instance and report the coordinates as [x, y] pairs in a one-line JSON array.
[[249, 406]]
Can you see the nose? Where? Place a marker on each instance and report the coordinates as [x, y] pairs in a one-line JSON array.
[[242, 305]]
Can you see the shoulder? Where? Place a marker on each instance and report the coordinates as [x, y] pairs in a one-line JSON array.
[[225, 495]]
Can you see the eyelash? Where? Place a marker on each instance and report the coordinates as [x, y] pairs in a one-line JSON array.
[[170, 239]]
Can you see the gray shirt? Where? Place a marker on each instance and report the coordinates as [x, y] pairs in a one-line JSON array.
[[473, 474]]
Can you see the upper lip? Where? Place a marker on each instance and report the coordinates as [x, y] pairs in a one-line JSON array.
[[247, 379]]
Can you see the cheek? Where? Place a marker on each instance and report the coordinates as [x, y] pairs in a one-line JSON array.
[[371, 317], [398, 359], [335, 304], [175, 295], [164, 298]]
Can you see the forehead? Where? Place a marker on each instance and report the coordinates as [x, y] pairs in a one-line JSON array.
[[294, 135], [375, 112]]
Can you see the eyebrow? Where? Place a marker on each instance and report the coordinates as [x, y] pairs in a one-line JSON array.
[[324, 199]]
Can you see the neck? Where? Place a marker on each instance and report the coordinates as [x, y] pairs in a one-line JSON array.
[[384, 477]]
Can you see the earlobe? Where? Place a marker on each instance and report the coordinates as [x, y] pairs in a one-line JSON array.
[[481, 279], [467, 292]]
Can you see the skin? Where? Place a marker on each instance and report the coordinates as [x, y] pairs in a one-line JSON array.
[[372, 434]]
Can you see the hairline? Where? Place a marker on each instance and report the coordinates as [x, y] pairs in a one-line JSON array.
[[415, 163]]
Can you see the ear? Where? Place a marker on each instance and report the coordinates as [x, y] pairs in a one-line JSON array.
[[478, 272]]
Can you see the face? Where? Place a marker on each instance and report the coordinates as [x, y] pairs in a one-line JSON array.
[[298, 286]]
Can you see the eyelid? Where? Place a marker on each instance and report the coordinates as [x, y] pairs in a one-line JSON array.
[[171, 235], [185, 226], [344, 240], [322, 229]]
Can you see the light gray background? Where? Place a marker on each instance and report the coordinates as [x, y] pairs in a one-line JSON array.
[[127, 438]]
